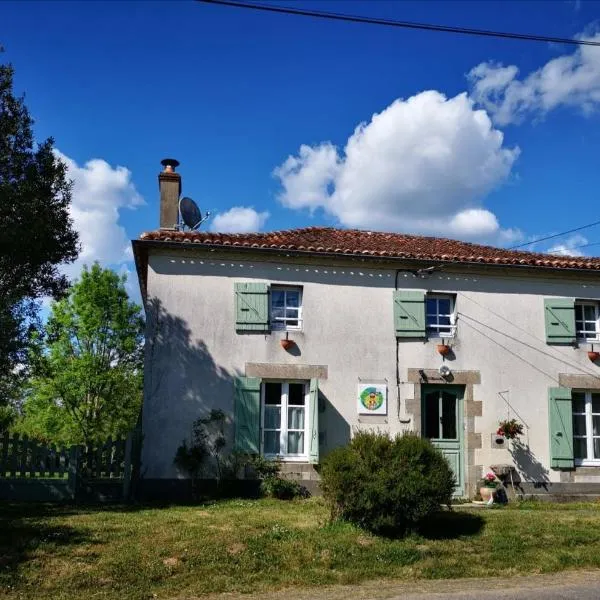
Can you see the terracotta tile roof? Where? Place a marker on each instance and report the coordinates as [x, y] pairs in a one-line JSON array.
[[329, 240]]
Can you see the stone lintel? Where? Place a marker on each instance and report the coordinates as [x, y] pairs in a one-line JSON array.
[[285, 371]]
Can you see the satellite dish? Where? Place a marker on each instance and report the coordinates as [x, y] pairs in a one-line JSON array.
[[190, 213], [444, 371]]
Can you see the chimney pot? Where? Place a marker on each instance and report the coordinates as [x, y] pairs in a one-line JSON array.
[[169, 164]]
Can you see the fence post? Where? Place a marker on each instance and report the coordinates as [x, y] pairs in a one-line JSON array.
[[74, 452], [127, 467]]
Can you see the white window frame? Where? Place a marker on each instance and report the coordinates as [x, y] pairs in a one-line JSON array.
[[579, 332], [284, 420], [434, 332], [589, 430], [281, 324]]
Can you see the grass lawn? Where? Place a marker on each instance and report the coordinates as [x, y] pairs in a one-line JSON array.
[[253, 546]]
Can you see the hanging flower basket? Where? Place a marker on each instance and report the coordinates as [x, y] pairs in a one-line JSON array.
[[287, 344], [593, 355], [443, 349], [510, 429]]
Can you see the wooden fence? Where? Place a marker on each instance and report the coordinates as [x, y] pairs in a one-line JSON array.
[[34, 471]]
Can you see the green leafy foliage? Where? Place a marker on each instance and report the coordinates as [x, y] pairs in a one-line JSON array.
[[36, 235], [272, 484], [282, 489], [386, 485], [87, 365]]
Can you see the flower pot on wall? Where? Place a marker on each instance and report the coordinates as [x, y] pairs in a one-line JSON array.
[[443, 349], [593, 355], [287, 344]]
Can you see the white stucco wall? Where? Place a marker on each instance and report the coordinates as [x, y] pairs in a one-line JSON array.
[[348, 326]]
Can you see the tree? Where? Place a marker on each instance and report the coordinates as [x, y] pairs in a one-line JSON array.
[[36, 233], [88, 370]]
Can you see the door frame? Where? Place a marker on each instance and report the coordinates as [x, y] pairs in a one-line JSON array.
[[460, 428]]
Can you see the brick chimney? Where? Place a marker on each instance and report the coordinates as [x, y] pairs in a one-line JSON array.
[[169, 184]]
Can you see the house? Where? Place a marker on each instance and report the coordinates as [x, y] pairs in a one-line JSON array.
[[303, 336]]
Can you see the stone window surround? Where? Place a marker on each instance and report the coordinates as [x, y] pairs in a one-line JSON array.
[[471, 408]]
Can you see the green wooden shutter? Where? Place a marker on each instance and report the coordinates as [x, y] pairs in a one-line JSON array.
[[560, 421], [560, 320], [409, 313], [313, 422], [251, 307], [247, 414]]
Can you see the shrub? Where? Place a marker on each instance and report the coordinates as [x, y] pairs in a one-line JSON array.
[[386, 485], [282, 489], [272, 484]]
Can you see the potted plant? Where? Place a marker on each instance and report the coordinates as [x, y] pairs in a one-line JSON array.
[[443, 349], [489, 483], [510, 429]]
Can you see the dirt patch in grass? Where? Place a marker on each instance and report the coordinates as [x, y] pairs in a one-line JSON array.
[[242, 547]]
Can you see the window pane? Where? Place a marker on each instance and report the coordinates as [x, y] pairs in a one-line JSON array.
[[580, 447], [445, 321], [578, 402], [272, 442], [579, 312], [272, 393], [431, 320], [432, 415], [296, 442], [579, 424], [277, 313], [296, 394], [293, 298], [589, 313], [291, 313], [295, 418], [596, 425], [597, 448], [444, 306], [596, 403], [448, 416], [272, 417], [292, 323], [431, 304], [277, 298]]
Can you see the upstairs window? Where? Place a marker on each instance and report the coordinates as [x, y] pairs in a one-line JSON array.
[[587, 320], [286, 308], [439, 314]]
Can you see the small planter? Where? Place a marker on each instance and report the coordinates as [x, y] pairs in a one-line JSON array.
[[486, 493], [443, 349], [287, 344], [593, 355]]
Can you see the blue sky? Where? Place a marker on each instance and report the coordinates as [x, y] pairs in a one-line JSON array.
[[261, 111]]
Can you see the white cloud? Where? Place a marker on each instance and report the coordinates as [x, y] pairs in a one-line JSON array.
[[569, 247], [422, 164], [100, 191], [239, 219], [569, 80]]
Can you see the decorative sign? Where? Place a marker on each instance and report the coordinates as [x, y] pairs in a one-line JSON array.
[[372, 398]]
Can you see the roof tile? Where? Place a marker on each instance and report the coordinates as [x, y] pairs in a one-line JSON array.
[[330, 240]]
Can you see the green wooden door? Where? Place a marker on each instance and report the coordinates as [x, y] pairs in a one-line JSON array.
[[442, 423]]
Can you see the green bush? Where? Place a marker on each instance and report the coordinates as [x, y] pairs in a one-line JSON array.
[[386, 485], [272, 484], [282, 489]]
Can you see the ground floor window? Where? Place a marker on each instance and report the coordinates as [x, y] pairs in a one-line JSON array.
[[284, 418], [586, 427]]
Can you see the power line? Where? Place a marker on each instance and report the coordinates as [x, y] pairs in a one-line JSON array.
[[286, 10], [551, 237]]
